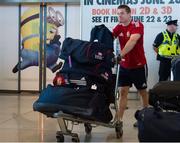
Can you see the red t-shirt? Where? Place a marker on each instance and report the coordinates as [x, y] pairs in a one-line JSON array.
[[136, 57]]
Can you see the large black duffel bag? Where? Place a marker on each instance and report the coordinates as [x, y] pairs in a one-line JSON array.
[[165, 94], [101, 70], [75, 79], [80, 101], [85, 52], [158, 126]]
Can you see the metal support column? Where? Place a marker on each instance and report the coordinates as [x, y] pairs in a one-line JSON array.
[[65, 26], [45, 37], [40, 46], [19, 49]]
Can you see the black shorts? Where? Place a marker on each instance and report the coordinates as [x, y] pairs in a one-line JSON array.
[[137, 76]]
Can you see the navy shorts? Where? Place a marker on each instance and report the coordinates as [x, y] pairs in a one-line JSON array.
[[137, 76]]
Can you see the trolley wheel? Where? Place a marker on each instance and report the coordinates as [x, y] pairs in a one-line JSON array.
[[88, 128], [75, 138], [119, 129], [60, 138]]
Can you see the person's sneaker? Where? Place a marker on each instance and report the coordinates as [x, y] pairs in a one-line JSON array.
[[135, 124], [119, 129]]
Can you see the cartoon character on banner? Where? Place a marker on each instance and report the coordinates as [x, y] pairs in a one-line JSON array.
[[30, 24]]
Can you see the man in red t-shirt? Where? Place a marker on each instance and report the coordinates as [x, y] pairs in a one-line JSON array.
[[133, 68]]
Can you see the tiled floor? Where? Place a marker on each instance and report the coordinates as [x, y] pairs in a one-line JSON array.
[[19, 123]]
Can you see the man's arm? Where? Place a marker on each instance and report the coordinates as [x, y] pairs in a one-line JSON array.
[[130, 44], [157, 42], [155, 49]]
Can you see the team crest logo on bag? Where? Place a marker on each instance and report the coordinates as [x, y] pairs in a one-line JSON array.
[[105, 75], [99, 56]]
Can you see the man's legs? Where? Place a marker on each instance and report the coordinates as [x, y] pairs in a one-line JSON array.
[[139, 77], [124, 85], [143, 93], [123, 91]]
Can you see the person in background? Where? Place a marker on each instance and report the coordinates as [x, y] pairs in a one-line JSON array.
[[133, 66], [167, 46]]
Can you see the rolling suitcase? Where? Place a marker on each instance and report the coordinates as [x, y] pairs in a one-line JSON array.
[[166, 95], [158, 126]]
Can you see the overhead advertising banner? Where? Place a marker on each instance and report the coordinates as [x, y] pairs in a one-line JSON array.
[[150, 12]]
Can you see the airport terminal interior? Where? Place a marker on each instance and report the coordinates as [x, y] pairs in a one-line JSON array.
[[60, 69]]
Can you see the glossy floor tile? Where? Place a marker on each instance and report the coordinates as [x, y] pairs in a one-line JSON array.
[[19, 123]]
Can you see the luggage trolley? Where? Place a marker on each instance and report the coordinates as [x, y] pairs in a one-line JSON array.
[[63, 119]]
